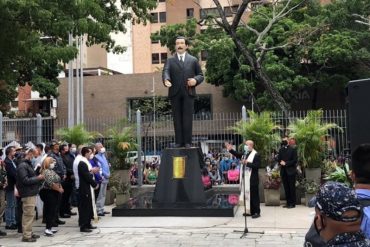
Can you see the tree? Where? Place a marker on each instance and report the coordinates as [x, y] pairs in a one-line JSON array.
[[285, 46], [34, 37]]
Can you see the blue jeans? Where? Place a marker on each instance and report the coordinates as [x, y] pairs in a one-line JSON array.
[[10, 208]]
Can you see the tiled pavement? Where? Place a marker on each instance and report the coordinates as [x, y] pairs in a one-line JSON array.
[[281, 227]]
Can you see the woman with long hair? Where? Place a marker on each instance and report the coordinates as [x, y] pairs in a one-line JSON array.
[[49, 194]]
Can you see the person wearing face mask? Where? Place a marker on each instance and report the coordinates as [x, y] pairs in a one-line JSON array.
[[65, 206], [181, 74], [86, 183], [73, 150], [105, 169], [287, 159], [338, 216], [28, 184], [95, 164], [11, 169], [250, 159], [49, 194], [3, 184], [60, 169], [360, 175], [39, 157]]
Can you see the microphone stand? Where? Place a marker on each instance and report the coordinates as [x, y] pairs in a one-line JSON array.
[[245, 231]]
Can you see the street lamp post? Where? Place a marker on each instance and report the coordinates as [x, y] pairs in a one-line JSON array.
[[154, 116]]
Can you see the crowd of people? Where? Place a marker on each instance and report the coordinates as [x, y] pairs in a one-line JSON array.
[[55, 177]]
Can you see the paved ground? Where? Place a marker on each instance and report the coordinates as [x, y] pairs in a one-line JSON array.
[[281, 227]]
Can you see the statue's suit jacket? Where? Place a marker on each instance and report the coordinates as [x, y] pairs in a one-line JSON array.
[[179, 74]]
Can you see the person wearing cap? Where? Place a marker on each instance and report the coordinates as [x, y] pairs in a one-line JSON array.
[[338, 216], [28, 185]]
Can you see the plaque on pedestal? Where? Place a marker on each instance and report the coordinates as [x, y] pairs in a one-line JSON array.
[[179, 180]]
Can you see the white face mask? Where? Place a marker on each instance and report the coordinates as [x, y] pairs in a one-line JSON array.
[[73, 150], [52, 165], [102, 150], [91, 156]]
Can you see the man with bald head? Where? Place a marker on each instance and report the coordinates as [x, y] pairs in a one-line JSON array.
[[251, 159], [101, 156]]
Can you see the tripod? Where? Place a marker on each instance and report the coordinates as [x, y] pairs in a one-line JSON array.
[[245, 231]]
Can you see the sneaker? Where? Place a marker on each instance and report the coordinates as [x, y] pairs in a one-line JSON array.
[[54, 230], [2, 234], [48, 233], [29, 240], [101, 214]]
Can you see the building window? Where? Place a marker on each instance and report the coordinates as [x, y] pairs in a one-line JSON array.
[[163, 57], [162, 17], [155, 58], [209, 12], [154, 17], [203, 55], [154, 41], [202, 106], [229, 11], [189, 13]]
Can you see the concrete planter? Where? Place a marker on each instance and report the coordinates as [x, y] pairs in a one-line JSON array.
[[272, 197], [262, 178], [313, 174], [122, 199], [109, 199], [308, 197]]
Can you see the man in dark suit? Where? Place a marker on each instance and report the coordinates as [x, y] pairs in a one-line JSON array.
[[181, 74], [287, 159]]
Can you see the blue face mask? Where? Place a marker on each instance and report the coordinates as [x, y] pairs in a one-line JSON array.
[[33, 161], [246, 149]]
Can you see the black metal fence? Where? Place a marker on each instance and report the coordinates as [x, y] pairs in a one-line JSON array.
[[209, 132]]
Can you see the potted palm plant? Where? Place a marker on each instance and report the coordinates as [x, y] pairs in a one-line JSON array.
[[310, 134], [77, 135], [121, 139], [264, 132]]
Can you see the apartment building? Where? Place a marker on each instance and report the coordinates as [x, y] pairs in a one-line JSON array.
[[143, 55]]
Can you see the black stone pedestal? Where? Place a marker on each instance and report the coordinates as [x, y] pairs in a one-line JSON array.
[[187, 190], [183, 197]]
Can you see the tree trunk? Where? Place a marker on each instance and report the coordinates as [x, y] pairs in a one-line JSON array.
[[261, 75]]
